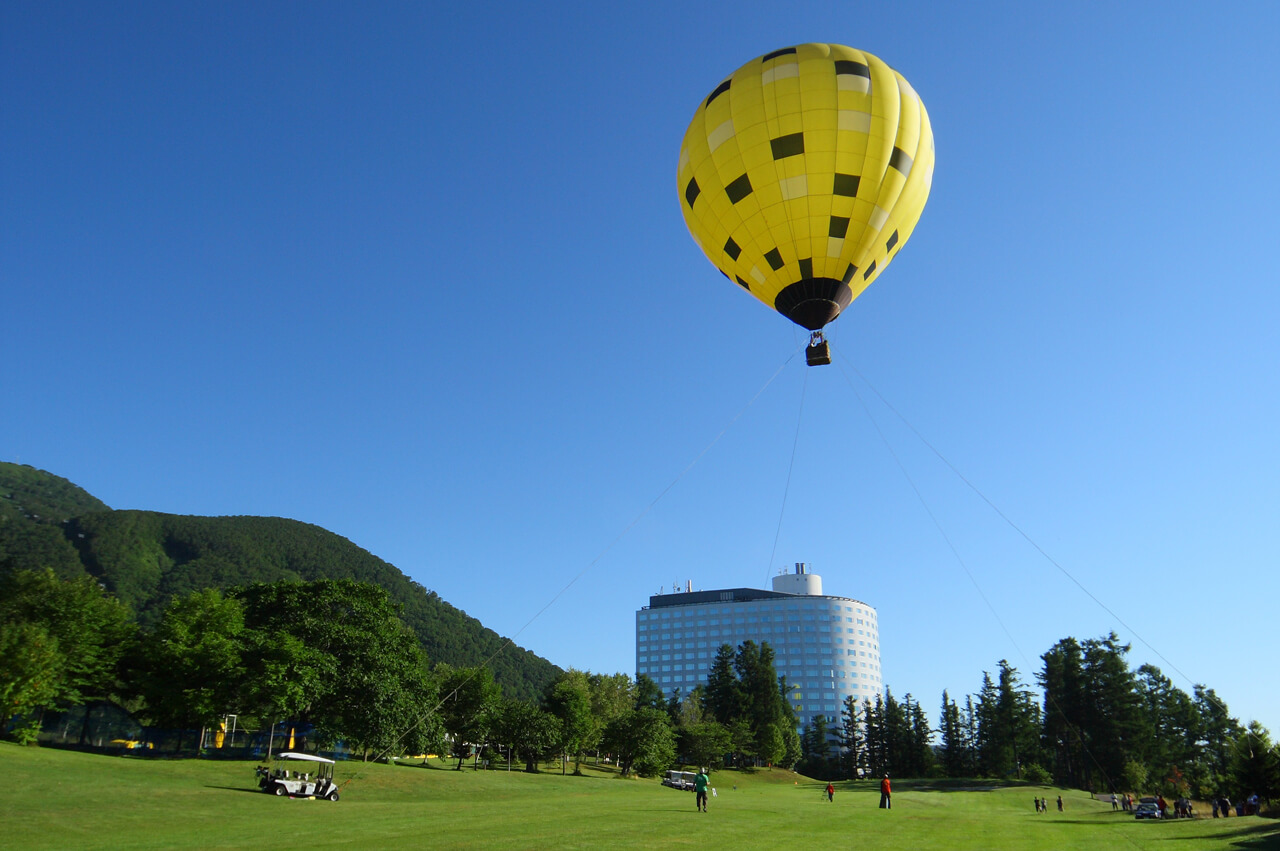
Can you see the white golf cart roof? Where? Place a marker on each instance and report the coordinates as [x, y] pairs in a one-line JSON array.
[[303, 756]]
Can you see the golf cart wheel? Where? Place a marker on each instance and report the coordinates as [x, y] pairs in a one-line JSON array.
[[333, 796], [278, 791]]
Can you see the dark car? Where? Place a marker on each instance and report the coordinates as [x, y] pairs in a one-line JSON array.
[[1147, 808]]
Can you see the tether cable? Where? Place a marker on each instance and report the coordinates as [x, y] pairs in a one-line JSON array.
[[510, 640], [1018, 529], [782, 510], [1207, 693], [964, 566]]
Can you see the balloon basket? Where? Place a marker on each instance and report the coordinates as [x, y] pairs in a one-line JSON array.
[[818, 352]]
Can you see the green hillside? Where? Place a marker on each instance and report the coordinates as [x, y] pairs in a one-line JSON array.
[[34, 506], [147, 558]]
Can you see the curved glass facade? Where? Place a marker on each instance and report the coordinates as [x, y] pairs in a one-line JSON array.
[[827, 647]]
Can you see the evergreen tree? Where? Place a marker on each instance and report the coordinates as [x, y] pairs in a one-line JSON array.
[[989, 744], [1218, 731], [648, 695], [897, 736], [766, 709], [952, 732], [815, 749], [1114, 715], [969, 728], [877, 748], [722, 698], [1172, 750], [1020, 721], [921, 759], [851, 740], [1253, 765], [1062, 679]]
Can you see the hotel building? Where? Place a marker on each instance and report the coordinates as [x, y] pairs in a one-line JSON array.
[[827, 647]]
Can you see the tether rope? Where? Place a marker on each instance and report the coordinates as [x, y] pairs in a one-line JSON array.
[[782, 510], [510, 640], [965, 567], [1026, 537]]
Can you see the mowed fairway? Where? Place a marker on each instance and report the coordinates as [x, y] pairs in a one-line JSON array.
[[64, 800]]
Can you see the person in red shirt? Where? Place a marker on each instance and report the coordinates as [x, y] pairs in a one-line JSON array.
[[831, 793], [886, 797]]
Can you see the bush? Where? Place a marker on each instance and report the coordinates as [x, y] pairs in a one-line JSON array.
[[1135, 777], [1037, 775]]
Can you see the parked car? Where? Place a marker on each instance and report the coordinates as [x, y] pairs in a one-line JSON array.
[[1147, 808]]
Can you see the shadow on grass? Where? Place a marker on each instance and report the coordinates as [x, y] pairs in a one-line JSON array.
[[235, 789], [1258, 836]]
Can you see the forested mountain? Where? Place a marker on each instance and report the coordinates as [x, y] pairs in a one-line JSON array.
[[146, 559], [34, 505]]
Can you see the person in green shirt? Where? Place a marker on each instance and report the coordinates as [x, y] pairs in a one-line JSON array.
[[700, 784]]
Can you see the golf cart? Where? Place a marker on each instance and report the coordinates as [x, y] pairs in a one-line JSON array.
[[679, 780], [281, 781]]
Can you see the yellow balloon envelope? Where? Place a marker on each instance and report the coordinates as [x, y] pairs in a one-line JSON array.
[[804, 173]]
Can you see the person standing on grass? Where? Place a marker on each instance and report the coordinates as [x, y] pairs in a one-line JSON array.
[[831, 793], [886, 795], [1059, 803], [700, 784]]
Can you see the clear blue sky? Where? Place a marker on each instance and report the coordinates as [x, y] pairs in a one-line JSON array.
[[417, 273]]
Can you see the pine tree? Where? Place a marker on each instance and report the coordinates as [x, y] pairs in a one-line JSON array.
[[722, 698], [1062, 679], [969, 730], [1114, 715], [876, 746], [921, 758], [952, 745], [851, 741], [897, 735], [988, 743]]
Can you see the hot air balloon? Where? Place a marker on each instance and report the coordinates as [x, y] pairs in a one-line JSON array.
[[803, 174]]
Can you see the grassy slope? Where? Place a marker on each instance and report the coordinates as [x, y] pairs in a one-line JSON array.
[[57, 799]]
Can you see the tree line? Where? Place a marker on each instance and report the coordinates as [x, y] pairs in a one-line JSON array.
[[335, 656], [1095, 724], [147, 559]]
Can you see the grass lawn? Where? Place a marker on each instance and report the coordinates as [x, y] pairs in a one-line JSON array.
[[65, 800]]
